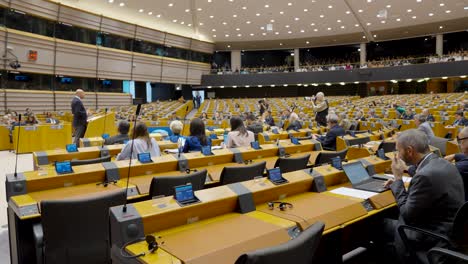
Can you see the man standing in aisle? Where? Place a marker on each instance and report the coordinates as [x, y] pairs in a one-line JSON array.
[[80, 117]]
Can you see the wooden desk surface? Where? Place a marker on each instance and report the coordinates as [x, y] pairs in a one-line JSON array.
[[191, 244], [311, 207]]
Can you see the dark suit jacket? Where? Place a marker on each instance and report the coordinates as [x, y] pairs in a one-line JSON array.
[[296, 125], [433, 196], [461, 162], [79, 113], [117, 139], [329, 141], [461, 122]]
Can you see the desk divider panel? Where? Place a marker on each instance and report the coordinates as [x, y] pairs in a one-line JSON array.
[[237, 155], [15, 185], [86, 142], [318, 184], [245, 202], [112, 171], [104, 151], [41, 158], [182, 162]]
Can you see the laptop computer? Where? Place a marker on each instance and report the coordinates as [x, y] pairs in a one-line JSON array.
[[213, 136], [381, 154], [360, 178], [71, 148], [274, 175], [295, 141], [336, 163], [63, 167], [105, 136], [184, 195], [144, 157], [206, 150], [255, 145]]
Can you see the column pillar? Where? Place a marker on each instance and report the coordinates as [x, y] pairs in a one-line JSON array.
[[296, 60], [440, 44], [363, 53], [236, 60]]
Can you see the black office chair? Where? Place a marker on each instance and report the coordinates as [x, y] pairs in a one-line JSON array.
[[75, 230], [242, 173], [164, 185], [440, 143], [90, 161], [437, 255], [292, 164], [326, 156], [353, 126], [458, 239], [349, 132], [388, 146], [300, 250]]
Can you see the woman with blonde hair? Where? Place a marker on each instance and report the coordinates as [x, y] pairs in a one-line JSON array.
[[320, 107]]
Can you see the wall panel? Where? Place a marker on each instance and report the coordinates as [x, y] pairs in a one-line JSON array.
[[147, 68], [114, 64], [150, 35], [177, 41], [38, 101], [22, 42], [118, 27], [195, 71], [40, 8], [76, 59], [174, 71], [79, 18], [115, 100], [202, 46]]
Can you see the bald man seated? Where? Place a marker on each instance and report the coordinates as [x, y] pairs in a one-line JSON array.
[[80, 117], [461, 159]]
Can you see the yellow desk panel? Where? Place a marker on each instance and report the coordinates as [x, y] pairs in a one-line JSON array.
[[5, 136], [41, 137]]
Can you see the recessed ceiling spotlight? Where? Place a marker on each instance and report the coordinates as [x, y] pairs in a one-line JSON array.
[[306, 10], [262, 28], [413, 17], [289, 32], [122, 4], [441, 4], [315, 29], [368, 23], [369, 1], [258, 14], [389, 6], [189, 25], [441, 27], [296, 18], [214, 36], [375, 36], [409, 80], [199, 9], [187, 10], [159, 15], [409, 10], [211, 16], [272, 21], [342, 27], [281, 13], [141, 10], [267, 6], [330, 6], [175, 20], [285, 85], [312, 24], [419, 1], [466, 8], [227, 35], [447, 11], [322, 16], [363, 37], [264, 34], [307, 42], [171, 5], [224, 23], [342, 83], [214, 30], [272, 85], [276, 33], [110, 1], [339, 21], [383, 22], [328, 28], [237, 29], [150, 13], [251, 34], [209, 1], [398, 19], [244, 7], [348, 12], [302, 31], [239, 35], [360, 10], [287, 26], [248, 22], [289, 4], [201, 23], [431, 14], [356, 25], [182, 22]]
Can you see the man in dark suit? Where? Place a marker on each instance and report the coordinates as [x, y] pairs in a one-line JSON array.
[[461, 159], [253, 125], [80, 117], [433, 197], [460, 119], [329, 140], [123, 129]]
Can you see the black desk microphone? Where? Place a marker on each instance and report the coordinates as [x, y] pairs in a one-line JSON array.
[[17, 145]]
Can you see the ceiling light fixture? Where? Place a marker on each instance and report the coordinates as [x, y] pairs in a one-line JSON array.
[[122, 4], [413, 17], [430, 14], [307, 42], [244, 7], [199, 9], [141, 10], [171, 5], [289, 4], [389, 6], [409, 10], [281, 44], [211, 16], [448, 11], [315, 29], [187, 10], [302, 31], [441, 4], [330, 6], [258, 14], [281, 13], [306, 10], [150, 13], [296, 18], [398, 19], [356, 25], [248, 22], [111, 1], [360, 10], [272, 21], [227, 35], [348, 12]]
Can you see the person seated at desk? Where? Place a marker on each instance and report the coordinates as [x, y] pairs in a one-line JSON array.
[[174, 117], [176, 128], [197, 137], [421, 123], [359, 116], [408, 115], [460, 120], [432, 199], [372, 114], [329, 140], [50, 119], [253, 125], [345, 123], [31, 120], [268, 118], [203, 116], [429, 116], [400, 110], [239, 135], [217, 117], [123, 128], [461, 159], [294, 123], [142, 143]]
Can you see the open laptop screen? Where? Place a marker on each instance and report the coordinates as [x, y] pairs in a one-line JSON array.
[[275, 174], [184, 193], [71, 148], [144, 157], [63, 167], [356, 172]]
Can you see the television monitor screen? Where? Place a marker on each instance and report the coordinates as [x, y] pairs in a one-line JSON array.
[[184, 193], [66, 80], [336, 163]]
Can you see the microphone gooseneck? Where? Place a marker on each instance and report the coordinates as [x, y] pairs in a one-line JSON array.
[[124, 209], [17, 145]]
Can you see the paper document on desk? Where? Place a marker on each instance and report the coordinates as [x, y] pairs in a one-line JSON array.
[[216, 147], [353, 193], [173, 151], [405, 179]]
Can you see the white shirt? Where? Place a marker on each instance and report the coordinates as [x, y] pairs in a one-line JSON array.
[[235, 140], [139, 146]]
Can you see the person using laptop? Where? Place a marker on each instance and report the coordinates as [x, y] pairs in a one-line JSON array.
[[461, 159], [433, 197], [329, 141], [142, 143], [239, 135]]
